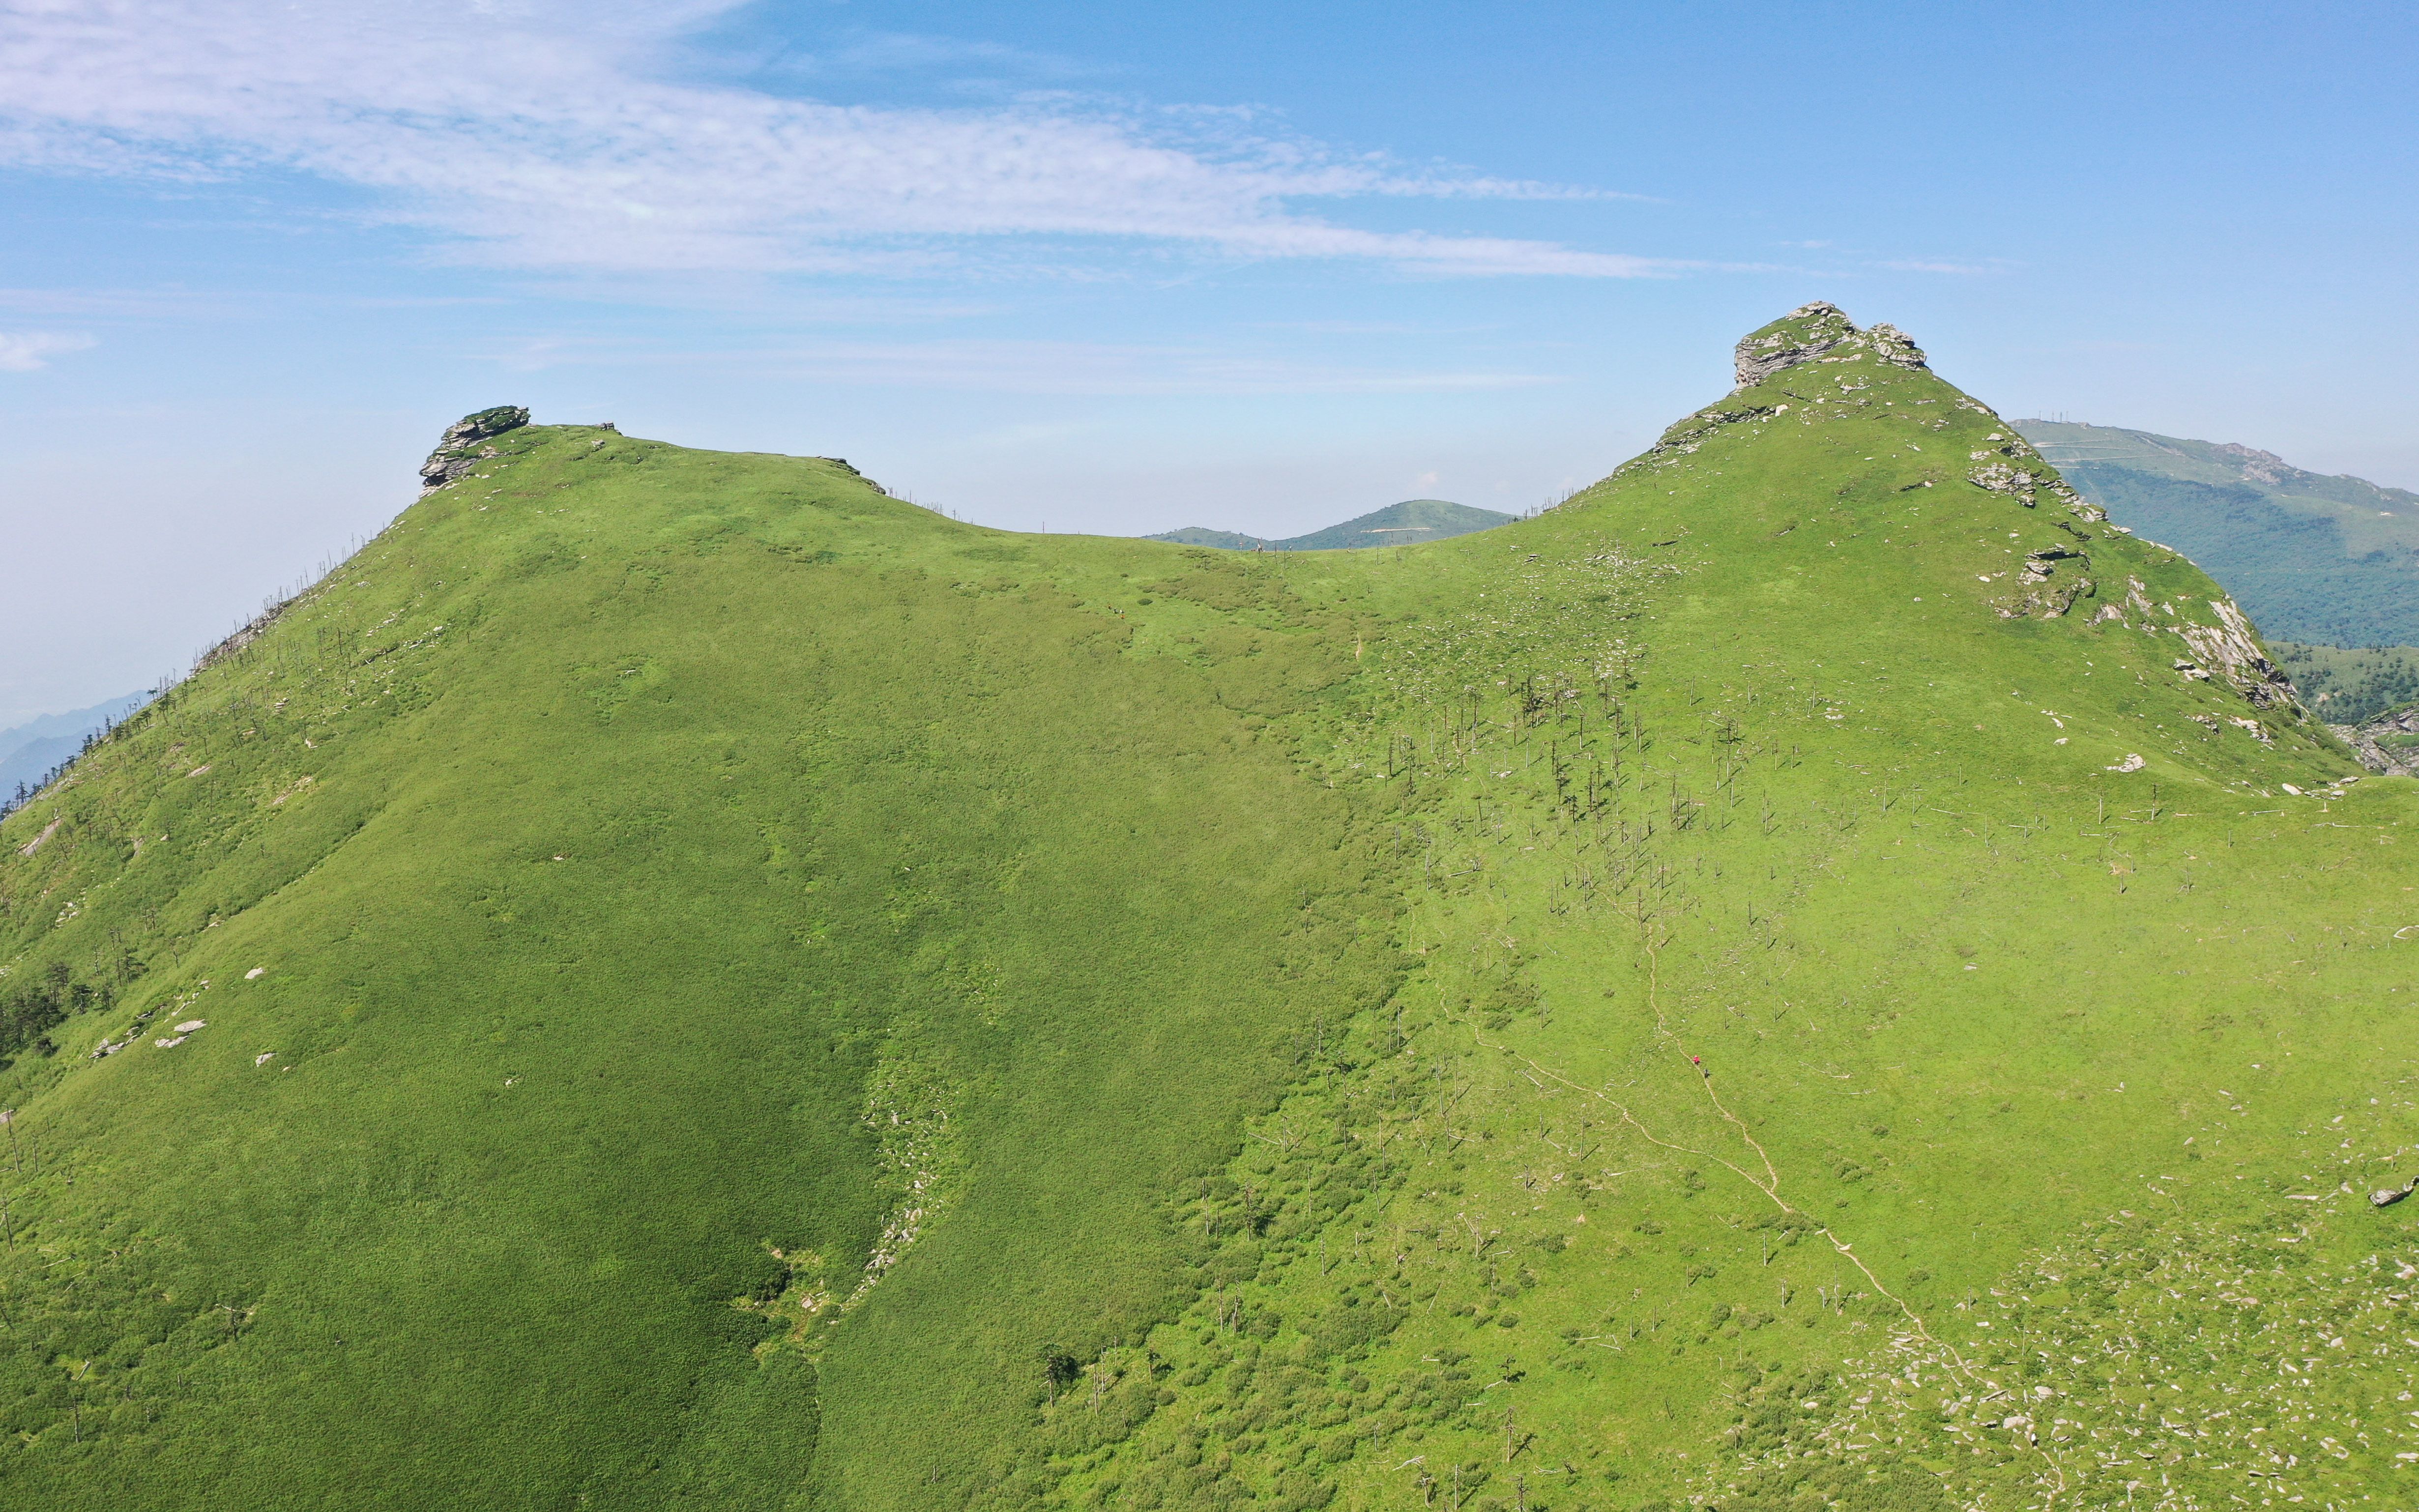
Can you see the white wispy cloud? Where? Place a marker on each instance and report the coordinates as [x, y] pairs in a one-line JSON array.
[[1017, 366], [1935, 265], [26, 351], [861, 52], [112, 303], [544, 136]]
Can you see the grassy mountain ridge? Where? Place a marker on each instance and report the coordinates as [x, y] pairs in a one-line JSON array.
[[601, 1092], [1526, 1019]]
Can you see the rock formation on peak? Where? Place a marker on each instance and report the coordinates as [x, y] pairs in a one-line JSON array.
[[1802, 335], [1895, 347], [1812, 332], [458, 450]]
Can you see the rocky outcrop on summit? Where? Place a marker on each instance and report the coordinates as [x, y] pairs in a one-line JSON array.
[[1802, 335], [1815, 366], [1813, 334], [458, 451], [1895, 347], [1821, 332]]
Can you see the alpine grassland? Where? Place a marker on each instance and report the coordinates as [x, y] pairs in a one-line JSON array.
[[1816, 973]]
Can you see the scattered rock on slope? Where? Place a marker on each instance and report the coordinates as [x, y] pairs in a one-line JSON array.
[[2388, 743], [2232, 647]]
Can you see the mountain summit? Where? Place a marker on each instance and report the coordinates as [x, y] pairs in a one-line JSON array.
[[1819, 332], [1815, 973]]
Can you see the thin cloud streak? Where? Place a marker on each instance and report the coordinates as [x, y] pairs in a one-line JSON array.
[[1010, 366], [1920, 265], [29, 351], [108, 303], [535, 135], [877, 52]]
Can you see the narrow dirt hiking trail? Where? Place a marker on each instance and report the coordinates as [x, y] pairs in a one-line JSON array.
[[1769, 1182]]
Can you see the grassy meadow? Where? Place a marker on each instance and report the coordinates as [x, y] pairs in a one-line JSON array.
[[1774, 983]]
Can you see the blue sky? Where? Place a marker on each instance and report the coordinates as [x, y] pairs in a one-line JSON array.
[[1116, 269]]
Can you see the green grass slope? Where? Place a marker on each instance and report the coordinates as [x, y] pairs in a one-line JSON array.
[[1409, 523], [607, 862], [1814, 974], [2313, 558]]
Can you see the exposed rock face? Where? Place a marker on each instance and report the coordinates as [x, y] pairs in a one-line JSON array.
[[2052, 583], [1812, 332], [2002, 470], [2231, 648], [2228, 649], [2378, 743], [458, 451], [2036, 596], [2258, 466], [1822, 332], [1802, 335], [1895, 347], [1816, 333], [2039, 564]]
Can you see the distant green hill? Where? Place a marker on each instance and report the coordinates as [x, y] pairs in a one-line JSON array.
[[677, 980], [1408, 523], [2328, 559], [2351, 687], [1202, 535]]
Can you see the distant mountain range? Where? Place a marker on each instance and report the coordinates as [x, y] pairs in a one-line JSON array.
[[32, 750], [1405, 524], [2331, 561]]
